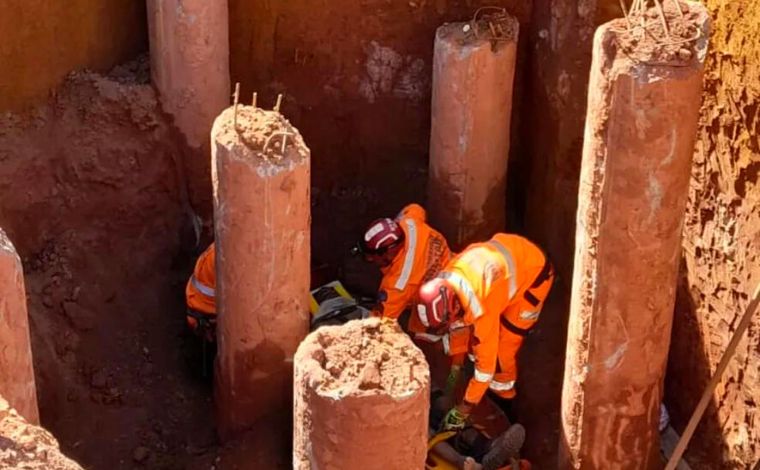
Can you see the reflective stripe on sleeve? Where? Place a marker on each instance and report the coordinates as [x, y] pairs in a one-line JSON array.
[[510, 264], [202, 288], [427, 337], [528, 315], [406, 271], [466, 289], [481, 376], [497, 386], [446, 344]]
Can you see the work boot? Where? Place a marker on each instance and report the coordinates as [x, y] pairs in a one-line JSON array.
[[505, 448]]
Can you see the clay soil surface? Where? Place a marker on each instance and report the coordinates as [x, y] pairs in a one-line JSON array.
[[89, 193]]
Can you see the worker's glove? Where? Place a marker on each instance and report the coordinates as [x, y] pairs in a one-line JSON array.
[[454, 420]]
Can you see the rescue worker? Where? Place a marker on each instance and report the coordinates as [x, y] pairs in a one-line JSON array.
[[497, 289], [200, 296], [408, 252]]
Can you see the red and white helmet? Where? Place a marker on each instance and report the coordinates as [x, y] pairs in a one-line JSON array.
[[381, 235], [436, 300]]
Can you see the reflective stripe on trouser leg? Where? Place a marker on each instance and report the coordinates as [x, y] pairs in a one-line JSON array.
[[503, 386], [509, 345]]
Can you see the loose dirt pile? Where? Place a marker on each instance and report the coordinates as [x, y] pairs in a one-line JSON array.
[[267, 134], [361, 398], [666, 37], [23, 445], [366, 358]]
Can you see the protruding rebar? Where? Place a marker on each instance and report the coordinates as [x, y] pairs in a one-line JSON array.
[[236, 98], [255, 98], [279, 103]]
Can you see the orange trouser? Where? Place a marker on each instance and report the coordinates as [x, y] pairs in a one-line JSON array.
[[516, 322]]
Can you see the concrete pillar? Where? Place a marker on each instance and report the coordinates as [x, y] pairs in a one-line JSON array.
[[262, 224], [16, 367], [189, 55], [362, 395], [640, 132], [469, 137]]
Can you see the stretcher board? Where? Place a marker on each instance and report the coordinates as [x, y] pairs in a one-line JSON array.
[[332, 303]]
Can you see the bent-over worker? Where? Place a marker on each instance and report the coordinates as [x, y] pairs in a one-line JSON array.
[[408, 252], [200, 294], [497, 289]]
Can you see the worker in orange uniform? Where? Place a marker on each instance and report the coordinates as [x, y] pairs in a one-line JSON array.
[[200, 293], [408, 252], [498, 289]]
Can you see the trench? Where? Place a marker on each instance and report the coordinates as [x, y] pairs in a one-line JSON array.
[[102, 196]]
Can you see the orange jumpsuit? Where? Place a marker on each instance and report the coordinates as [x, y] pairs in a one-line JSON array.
[[501, 285], [424, 253], [201, 287]]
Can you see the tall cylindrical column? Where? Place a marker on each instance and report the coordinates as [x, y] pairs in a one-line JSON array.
[[469, 138], [362, 395], [189, 52], [16, 367], [643, 108], [262, 224]]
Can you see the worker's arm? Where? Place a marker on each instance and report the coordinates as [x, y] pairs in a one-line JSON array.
[[392, 301], [485, 349]]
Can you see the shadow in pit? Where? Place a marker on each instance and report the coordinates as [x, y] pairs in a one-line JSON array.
[[541, 367], [687, 376]]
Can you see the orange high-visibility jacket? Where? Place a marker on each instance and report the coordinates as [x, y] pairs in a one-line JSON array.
[[425, 252], [201, 288], [487, 278]]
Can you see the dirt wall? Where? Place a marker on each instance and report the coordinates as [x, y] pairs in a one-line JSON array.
[[721, 249], [356, 78], [89, 194], [59, 37]]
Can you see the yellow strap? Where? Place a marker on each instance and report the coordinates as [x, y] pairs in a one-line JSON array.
[[440, 437]]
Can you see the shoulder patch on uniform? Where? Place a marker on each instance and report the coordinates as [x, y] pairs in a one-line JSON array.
[[382, 296]]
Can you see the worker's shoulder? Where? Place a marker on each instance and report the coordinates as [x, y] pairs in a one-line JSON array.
[[413, 211]]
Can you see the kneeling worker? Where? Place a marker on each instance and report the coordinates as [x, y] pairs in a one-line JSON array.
[[497, 288], [408, 252], [200, 295]]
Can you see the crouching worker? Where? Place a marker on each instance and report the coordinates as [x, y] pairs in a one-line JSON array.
[[470, 448], [200, 296], [408, 252], [497, 289]]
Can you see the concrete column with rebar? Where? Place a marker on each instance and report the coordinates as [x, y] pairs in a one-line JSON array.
[[189, 52], [16, 367], [643, 108], [473, 75], [262, 207]]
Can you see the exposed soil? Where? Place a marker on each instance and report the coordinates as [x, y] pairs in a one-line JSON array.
[[367, 358], [23, 445], [721, 260], [268, 134], [89, 195], [362, 395], [667, 37]]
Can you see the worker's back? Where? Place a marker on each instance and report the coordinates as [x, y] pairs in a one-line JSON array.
[[200, 291], [489, 275]]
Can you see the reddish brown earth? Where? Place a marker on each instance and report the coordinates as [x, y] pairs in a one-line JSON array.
[[362, 395], [721, 259], [23, 445], [58, 37], [88, 194]]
